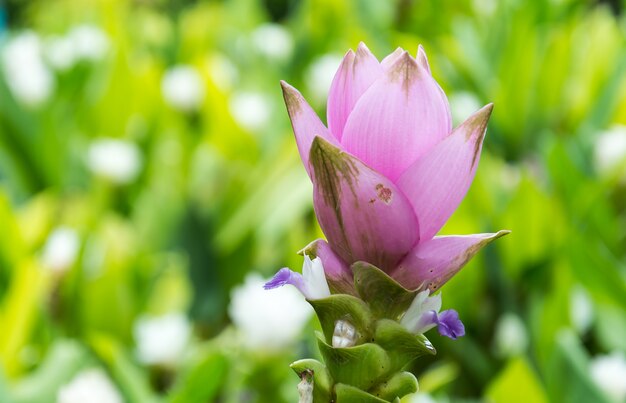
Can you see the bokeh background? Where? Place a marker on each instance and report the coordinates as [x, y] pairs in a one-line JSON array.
[[149, 183]]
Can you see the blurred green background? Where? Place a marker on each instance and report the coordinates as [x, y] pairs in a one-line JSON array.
[[149, 179]]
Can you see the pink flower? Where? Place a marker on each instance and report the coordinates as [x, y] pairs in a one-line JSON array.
[[389, 170]]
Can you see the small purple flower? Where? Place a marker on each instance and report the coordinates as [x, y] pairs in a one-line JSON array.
[[311, 283], [449, 324], [284, 277], [423, 315]]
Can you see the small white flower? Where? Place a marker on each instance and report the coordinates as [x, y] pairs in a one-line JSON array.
[[314, 278], [273, 41], [117, 160], [344, 334], [59, 51], [580, 309], [422, 397], [609, 373], [485, 7], [251, 110], [89, 42], [222, 70], [61, 249], [267, 319], [610, 150], [417, 318], [161, 340], [183, 88], [25, 72], [89, 386], [510, 335], [320, 74]]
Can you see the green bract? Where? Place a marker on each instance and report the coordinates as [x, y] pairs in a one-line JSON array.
[[372, 369]]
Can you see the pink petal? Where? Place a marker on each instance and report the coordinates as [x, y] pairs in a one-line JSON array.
[[438, 181], [355, 75], [422, 60], [305, 122], [398, 119], [337, 271], [432, 263], [391, 58], [363, 214]]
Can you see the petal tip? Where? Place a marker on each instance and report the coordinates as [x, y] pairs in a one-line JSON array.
[[404, 69], [476, 125], [363, 53], [422, 59], [292, 98], [501, 233], [280, 279]]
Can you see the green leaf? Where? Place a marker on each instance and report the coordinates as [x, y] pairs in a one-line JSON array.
[[132, 380], [519, 377], [385, 296], [344, 307], [567, 375], [401, 345], [362, 366], [202, 381], [399, 385], [62, 362], [322, 381], [350, 394]]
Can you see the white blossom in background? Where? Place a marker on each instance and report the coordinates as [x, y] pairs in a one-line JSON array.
[[273, 41], [117, 160], [30, 80], [485, 7], [510, 176], [462, 105], [608, 372], [89, 386], [82, 43], [421, 397], [59, 52], [183, 88], [251, 110], [222, 70], [510, 335], [89, 42], [268, 319], [610, 150], [320, 74], [61, 249], [161, 340], [580, 309]]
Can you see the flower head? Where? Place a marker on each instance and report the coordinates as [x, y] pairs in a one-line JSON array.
[[389, 170]]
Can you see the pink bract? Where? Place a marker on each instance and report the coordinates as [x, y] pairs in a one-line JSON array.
[[389, 171]]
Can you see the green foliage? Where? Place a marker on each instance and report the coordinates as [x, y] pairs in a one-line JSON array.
[[215, 199]]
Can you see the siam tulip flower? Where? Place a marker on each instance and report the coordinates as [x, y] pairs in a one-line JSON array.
[[389, 170]]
